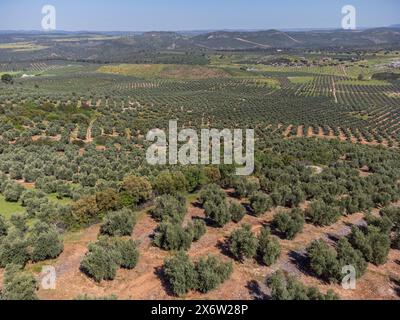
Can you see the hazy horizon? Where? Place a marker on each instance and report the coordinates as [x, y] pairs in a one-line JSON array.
[[179, 15]]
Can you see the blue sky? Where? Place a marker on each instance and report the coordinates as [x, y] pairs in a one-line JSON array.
[[145, 15]]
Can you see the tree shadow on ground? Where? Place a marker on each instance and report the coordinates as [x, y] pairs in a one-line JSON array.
[[275, 231], [255, 291], [196, 204], [232, 194], [396, 282], [333, 237], [301, 261], [159, 272], [223, 246]]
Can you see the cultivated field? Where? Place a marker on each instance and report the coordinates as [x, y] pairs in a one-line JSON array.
[[77, 193]]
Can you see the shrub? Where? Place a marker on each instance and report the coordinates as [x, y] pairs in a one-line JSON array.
[[180, 273], [13, 192], [195, 178], [173, 237], [322, 214], [85, 210], [7, 78], [260, 203], [237, 211], [19, 222], [269, 248], [46, 242], [100, 263], [211, 193], [294, 197], [384, 223], [14, 248], [218, 212], [198, 228], [170, 209], [128, 252], [246, 186], [212, 174], [392, 213], [107, 200], [227, 172], [372, 243], [211, 273], [289, 224], [243, 243], [138, 189], [172, 183], [118, 223], [3, 227], [347, 255], [104, 257], [214, 203], [288, 288], [18, 285], [323, 260]]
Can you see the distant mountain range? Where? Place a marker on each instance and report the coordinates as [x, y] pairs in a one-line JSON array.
[[242, 40], [223, 40], [128, 46]]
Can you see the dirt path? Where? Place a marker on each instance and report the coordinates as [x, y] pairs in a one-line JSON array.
[[334, 91], [287, 131], [343, 70], [290, 37], [89, 137], [256, 43]]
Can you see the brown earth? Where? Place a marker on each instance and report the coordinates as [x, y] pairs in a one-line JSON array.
[[247, 280]]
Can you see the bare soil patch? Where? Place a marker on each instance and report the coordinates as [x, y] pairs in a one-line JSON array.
[[247, 280]]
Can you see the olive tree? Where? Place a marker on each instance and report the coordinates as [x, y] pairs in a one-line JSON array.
[[118, 223], [211, 272], [237, 211], [171, 236], [180, 273], [289, 224], [18, 284], [243, 243], [14, 248], [286, 287], [169, 208], [268, 248], [45, 241], [260, 203], [136, 189], [323, 260]]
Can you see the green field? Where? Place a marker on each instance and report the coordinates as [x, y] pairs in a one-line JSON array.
[[163, 71], [298, 80], [63, 201], [9, 208]]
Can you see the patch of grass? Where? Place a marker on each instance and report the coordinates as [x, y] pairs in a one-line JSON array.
[[12, 73], [269, 81], [364, 82], [299, 80], [63, 201], [7, 209], [38, 266], [360, 116], [139, 70], [169, 71], [22, 46]]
